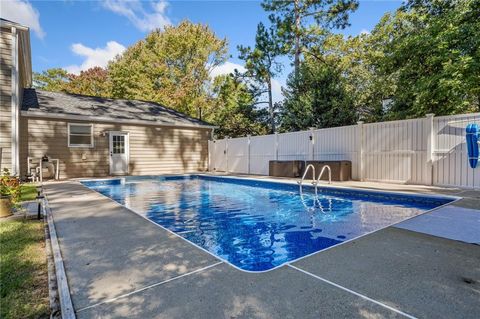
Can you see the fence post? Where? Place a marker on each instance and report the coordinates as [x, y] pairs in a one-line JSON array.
[[430, 149], [311, 155], [361, 144], [211, 145], [226, 154], [248, 154], [276, 146]]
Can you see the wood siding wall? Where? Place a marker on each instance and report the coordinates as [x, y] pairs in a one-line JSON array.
[[5, 99], [153, 149]]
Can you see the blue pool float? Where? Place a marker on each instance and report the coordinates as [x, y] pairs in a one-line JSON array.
[[472, 144]]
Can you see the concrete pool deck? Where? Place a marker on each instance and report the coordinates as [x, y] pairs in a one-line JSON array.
[[119, 264]]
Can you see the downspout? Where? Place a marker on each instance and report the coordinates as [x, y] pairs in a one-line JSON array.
[[15, 102]]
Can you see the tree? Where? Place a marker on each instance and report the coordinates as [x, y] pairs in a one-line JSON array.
[[262, 67], [51, 80], [352, 58], [94, 82], [430, 51], [234, 109], [171, 67], [316, 97], [301, 22]]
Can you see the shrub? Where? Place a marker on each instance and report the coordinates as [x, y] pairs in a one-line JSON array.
[[10, 186]]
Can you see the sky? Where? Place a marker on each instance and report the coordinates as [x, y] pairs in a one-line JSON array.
[[77, 35]]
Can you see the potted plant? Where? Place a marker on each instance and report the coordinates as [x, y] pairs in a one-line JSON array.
[[9, 193]]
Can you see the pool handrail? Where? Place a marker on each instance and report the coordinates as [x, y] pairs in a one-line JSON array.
[[300, 182], [321, 174]]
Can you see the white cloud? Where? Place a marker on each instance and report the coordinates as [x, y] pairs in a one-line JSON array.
[[142, 19], [365, 31], [277, 95], [94, 57], [22, 12], [229, 67]]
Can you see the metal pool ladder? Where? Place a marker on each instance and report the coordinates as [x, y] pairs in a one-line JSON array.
[[317, 180], [321, 174], [300, 182], [316, 200]]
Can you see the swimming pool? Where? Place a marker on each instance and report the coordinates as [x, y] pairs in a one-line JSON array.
[[259, 225]]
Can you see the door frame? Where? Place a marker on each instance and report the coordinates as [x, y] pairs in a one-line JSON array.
[[127, 150]]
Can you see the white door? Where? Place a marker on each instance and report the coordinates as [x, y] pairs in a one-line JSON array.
[[119, 153]]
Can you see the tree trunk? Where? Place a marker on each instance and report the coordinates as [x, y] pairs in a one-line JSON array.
[[296, 62], [270, 106]]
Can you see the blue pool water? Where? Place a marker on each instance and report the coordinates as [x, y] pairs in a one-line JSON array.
[[258, 225]]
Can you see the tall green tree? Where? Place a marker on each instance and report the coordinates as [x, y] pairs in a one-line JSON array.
[[53, 79], [262, 66], [302, 22], [234, 109], [430, 51], [352, 58], [170, 66], [316, 97]]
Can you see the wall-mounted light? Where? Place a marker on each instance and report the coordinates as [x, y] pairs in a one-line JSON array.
[[310, 137]]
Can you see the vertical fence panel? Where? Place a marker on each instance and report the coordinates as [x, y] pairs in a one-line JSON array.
[[451, 167], [294, 146], [338, 143], [237, 155], [262, 150], [397, 151]]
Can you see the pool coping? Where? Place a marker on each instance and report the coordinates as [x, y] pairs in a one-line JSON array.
[[290, 182]]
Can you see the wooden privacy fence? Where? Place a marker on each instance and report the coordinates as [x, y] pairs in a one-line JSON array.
[[430, 150]]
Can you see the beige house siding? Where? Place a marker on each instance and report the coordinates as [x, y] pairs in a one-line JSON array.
[[5, 99], [153, 149]]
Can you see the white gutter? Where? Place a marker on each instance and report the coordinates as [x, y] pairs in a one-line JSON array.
[[110, 120], [9, 24]]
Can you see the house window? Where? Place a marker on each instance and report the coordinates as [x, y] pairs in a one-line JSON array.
[[80, 135]]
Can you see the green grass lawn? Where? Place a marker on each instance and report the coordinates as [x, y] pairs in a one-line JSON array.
[[28, 192], [23, 269]]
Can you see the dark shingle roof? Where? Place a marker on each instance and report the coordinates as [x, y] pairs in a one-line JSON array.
[[56, 103]]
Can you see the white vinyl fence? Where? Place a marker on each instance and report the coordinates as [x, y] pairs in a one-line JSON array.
[[430, 151]]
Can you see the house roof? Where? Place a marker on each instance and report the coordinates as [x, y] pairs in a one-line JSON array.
[[63, 105], [9, 23]]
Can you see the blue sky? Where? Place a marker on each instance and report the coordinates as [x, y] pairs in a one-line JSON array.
[[80, 34]]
